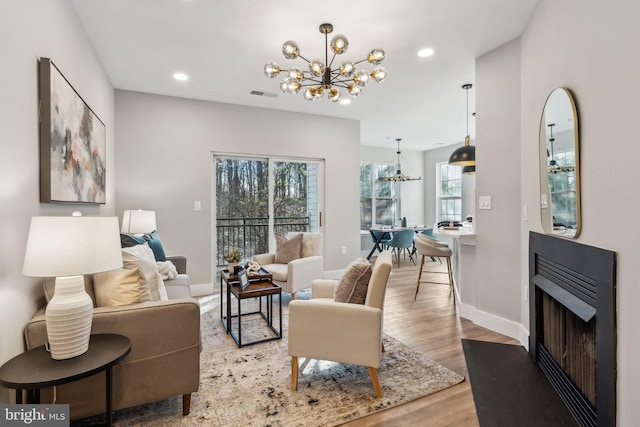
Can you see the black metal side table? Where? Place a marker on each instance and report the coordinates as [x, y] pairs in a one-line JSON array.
[[260, 285], [35, 369]]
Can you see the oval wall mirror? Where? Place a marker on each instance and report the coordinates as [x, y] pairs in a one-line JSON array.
[[559, 166]]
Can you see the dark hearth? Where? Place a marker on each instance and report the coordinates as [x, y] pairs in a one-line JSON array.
[[572, 324]]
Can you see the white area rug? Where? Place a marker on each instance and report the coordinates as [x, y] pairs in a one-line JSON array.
[[250, 386]]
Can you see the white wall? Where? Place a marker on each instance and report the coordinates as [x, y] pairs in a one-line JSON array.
[[30, 29], [590, 47], [498, 176], [164, 163]]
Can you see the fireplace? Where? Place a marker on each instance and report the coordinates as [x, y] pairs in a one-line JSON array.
[[573, 324]]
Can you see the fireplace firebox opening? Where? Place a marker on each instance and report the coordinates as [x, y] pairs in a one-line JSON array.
[[572, 324]]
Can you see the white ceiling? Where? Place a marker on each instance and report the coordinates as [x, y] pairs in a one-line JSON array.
[[223, 45]]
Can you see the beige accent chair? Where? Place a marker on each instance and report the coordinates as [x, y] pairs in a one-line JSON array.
[[429, 247], [165, 351], [323, 329], [298, 274]]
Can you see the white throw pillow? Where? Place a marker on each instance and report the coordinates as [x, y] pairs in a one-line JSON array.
[[119, 287], [141, 257]]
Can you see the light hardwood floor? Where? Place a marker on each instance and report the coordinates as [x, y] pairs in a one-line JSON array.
[[431, 326]]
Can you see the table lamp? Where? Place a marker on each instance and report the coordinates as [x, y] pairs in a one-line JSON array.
[[67, 248], [138, 222]]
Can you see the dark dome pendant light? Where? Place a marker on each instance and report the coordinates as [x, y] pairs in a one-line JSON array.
[[465, 155]]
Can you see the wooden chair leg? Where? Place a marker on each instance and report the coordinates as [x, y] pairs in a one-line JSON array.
[[453, 288], [419, 276], [294, 373], [383, 350], [293, 295], [373, 373], [186, 404]]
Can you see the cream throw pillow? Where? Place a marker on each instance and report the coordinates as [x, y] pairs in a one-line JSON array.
[[354, 282], [141, 257], [288, 250], [119, 287]]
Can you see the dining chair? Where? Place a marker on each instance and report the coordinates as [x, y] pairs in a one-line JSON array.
[[382, 238], [402, 241]]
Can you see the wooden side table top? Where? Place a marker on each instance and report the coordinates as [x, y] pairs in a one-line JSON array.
[[255, 289], [262, 274], [35, 369]]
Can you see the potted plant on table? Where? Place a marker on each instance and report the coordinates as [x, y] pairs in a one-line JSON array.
[[233, 258]]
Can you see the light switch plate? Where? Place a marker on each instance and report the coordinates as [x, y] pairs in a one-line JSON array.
[[484, 202], [197, 206]]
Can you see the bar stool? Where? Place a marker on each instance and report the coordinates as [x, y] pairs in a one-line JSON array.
[[426, 246]]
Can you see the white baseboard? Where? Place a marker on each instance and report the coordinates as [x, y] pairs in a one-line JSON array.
[[201, 289], [491, 321], [524, 337]]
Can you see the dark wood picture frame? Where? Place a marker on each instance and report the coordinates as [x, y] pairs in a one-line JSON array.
[[73, 143]]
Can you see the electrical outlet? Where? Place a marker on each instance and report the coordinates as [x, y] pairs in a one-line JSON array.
[[525, 214], [543, 201], [197, 206], [344, 250]]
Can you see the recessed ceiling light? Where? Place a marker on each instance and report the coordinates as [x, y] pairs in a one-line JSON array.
[[180, 76], [345, 101], [424, 53]]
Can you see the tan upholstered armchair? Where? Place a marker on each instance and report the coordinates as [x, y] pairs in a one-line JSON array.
[[298, 274], [321, 328]]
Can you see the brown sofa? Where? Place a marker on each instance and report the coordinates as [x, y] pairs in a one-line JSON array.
[[165, 351]]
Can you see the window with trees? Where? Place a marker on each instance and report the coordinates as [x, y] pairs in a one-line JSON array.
[[449, 192], [378, 199], [256, 198]]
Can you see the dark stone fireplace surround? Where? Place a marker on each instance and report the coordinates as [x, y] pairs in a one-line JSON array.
[[582, 279]]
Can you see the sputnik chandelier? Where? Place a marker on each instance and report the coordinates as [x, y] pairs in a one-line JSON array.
[[321, 77]]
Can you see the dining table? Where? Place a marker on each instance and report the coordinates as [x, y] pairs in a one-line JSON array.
[[378, 233]]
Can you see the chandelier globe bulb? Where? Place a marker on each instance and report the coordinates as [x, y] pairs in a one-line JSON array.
[[339, 44], [290, 49], [271, 69]]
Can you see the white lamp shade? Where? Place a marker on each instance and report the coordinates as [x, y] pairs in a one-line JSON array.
[[138, 222], [72, 245]]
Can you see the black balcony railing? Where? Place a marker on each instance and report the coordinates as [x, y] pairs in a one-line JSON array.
[[251, 235]]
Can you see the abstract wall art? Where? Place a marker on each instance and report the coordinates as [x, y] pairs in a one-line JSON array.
[[72, 143]]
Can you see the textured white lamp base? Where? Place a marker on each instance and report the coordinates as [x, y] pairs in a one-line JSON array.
[[68, 317]]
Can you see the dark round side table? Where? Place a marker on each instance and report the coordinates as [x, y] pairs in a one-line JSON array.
[[35, 369]]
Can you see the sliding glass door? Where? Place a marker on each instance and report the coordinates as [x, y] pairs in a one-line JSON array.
[[257, 197]]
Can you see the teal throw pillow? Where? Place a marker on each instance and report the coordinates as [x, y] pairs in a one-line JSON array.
[[153, 239]]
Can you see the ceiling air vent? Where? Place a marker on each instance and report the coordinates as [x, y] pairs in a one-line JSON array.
[[261, 93]]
